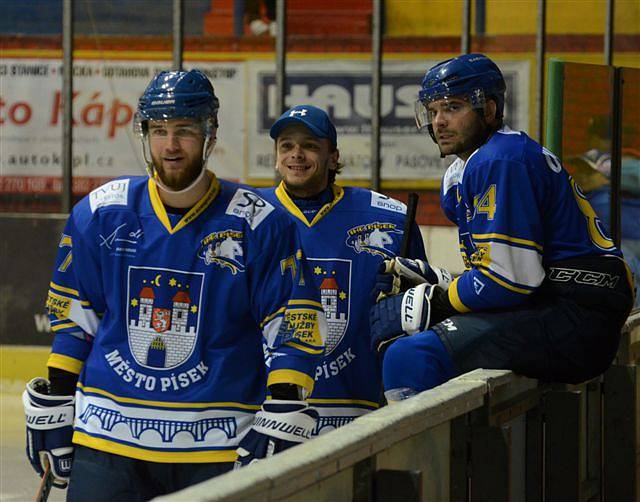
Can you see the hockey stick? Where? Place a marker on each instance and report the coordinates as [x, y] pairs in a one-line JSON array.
[[410, 216], [45, 485], [412, 207]]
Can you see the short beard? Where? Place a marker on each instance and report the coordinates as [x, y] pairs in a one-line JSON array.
[[474, 141], [181, 182]]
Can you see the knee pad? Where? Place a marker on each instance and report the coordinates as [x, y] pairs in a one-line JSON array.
[[418, 362]]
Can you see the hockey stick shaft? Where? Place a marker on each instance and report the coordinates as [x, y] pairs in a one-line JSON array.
[[46, 483], [412, 207], [410, 217]]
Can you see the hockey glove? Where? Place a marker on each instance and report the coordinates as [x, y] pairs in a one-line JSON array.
[[399, 274], [49, 430], [279, 425], [396, 316]]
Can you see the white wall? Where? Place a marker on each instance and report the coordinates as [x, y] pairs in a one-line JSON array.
[[441, 244]]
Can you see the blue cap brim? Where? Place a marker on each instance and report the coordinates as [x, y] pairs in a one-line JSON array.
[[281, 123]]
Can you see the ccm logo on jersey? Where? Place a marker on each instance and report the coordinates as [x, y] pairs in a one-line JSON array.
[[248, 205], [113, 193], [587, 277]]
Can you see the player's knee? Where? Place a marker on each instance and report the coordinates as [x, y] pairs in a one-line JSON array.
[[417, 362]]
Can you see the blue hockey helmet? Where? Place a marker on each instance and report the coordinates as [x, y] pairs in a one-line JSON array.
[[474, 77], [177, 94]]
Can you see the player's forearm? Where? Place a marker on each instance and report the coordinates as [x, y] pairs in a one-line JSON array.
[[63, 383], [475, 291]]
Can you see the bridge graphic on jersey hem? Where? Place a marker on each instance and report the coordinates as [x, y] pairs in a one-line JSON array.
[[334, 422], [167, 428]]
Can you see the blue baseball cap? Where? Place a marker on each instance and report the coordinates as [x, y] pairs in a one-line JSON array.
[[315, 119]]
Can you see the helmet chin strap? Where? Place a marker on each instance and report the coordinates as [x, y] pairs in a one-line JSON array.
[[153, 173], [159, 182]]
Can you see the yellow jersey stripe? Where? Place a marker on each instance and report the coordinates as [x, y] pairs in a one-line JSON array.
[[164, 404], [283, 197], [62, 289], [508, 238], [60, 327], [305, 302], [308, 350], [504, 284], [204, 202], [66, 363], [153, 455], [270, 317], [454, 298], [291, 376]]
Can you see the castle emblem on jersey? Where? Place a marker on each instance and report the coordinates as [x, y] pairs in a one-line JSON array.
[[223, 249], [333, 279], [163, 312], [374, 238]]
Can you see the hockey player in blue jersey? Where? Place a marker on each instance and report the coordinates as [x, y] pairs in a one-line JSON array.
[[545, 291], [162, 292], [346, 234]]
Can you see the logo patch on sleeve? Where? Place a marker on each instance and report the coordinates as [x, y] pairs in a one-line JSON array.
[[115, 192], [384, 202], [250, 206]]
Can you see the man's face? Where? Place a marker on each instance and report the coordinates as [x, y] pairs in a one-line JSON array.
[[458, 128], [176, 150], [304, 160]]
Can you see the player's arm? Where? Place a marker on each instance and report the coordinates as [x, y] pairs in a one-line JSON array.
[[49, 404], [293, 328], [506, 238], [74, 301], [410, 268], [295, 331]]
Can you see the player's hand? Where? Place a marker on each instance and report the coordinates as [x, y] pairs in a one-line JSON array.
[[399, 274], [279, 425], [400, 315], [49, 430]]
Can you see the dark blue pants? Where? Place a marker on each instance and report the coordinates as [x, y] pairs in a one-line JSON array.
[[97, 476], [568, 332]]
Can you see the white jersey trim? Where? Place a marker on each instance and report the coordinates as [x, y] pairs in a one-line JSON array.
[[519, 265]]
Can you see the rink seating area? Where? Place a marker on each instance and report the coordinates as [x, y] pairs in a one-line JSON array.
[[486, 435]]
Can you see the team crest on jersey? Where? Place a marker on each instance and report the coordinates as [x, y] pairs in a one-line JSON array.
[[223, 249], [333, 278], [374, 238], [163, 313]]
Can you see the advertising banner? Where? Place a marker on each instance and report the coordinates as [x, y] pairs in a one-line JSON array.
[[104, 101], [343, 88], [105, 98]]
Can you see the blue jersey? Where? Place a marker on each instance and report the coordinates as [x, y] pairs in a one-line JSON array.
[[345, 242], [517, 211], [163, 315]]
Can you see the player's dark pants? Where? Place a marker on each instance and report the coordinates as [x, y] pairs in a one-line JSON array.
[[98, 476], [568, 332]]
